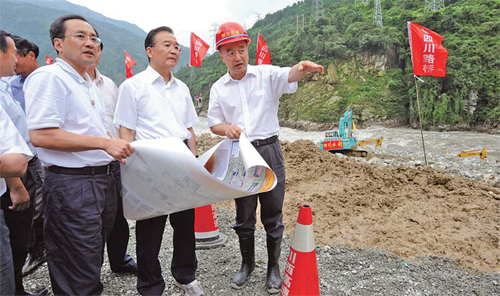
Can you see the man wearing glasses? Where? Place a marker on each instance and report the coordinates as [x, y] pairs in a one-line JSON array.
[[155, 105], [66, 119], [245, 100]]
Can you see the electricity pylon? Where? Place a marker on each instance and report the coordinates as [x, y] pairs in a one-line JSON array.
[[317, 8], [213, 31], [431, 5], [377, 14]]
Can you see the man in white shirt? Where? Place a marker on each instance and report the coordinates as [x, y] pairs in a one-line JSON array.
[[27, 53], [12, 166], [246, 100], [119, 260], [17, 202], [14, 156], [154, 105], [67, 125]]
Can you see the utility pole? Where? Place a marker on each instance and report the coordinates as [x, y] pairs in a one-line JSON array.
[[317, 8], [377, 14], [213, 31], [432, 5]]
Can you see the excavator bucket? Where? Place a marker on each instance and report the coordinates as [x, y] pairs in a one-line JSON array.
[[379, 142], [483, 154]]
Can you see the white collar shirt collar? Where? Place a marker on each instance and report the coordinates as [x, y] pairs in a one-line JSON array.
[[252, 102], [57, 96], [155, 109], [16, 113]]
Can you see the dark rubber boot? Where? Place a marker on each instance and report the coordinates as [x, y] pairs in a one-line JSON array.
[[247, 248], [273, 279]]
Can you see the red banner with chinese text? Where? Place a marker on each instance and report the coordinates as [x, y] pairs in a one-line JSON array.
[[263, 57], [129, 62], [199, 49], [427, 53], [48, 60]]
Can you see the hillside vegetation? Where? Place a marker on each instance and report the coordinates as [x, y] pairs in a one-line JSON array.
[[369, 68], [31, 19]]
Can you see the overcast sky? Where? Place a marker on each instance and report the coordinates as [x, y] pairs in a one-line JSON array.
[[185, 16]]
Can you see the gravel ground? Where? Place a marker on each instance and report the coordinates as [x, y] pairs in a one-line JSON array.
[[342, 271]]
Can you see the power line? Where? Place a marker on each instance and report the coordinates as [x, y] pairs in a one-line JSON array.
[[377, 14]]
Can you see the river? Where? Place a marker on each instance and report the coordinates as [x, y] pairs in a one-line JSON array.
[[403, 139]]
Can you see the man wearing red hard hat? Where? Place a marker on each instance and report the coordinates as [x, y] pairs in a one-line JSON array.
[[245, 100]]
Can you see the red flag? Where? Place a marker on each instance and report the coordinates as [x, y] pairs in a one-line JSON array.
[[129, 62], [263, 57], [427, 54], [48, 60], [198, 50]]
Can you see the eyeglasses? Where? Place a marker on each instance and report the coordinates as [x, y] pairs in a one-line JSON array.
[[231, 54], [82, 37], [169, 46]]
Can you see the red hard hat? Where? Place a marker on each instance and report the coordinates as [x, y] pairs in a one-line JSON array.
[[230, 32]]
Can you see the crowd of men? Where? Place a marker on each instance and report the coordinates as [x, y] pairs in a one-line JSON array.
[[65, 129]]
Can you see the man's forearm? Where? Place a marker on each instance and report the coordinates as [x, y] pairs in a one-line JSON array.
[[13, 165], [14, 183], [58, 139], [219, 129], [192, 142], [127, 134]]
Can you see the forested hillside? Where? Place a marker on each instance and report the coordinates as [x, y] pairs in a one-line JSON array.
[[369, 68], [31, 19]]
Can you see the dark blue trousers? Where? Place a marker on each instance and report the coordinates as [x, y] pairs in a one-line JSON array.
[[19, 223], [149, 234], [271, 202], [118, 238], [79, 214]]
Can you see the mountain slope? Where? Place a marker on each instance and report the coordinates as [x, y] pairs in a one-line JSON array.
[[369, 68], [31, 19]]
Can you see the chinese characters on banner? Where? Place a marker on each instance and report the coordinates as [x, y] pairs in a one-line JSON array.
[[198, 50], [48, 60], [427, 54], [263, 55], [129, 62]]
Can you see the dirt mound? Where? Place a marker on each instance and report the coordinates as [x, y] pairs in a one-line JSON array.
[[404, 210]]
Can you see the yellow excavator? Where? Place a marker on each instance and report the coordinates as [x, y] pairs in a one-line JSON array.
[[473, 152], [377, 142]]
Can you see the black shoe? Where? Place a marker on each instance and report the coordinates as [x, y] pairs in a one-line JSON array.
[[247, 248], [40, 292], [129, 268], [33, 260]]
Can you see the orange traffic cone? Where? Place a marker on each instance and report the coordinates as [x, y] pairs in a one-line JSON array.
[[206, 232], [301, 273]]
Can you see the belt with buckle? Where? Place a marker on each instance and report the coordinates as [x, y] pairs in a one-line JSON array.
[[90, 170], [267, 141]]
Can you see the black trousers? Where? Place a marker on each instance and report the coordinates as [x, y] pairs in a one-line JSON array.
[[79, 214], [19, 223], [119, 236], [271, 202], [149, 234]]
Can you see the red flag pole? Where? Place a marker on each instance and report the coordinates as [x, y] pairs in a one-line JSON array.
[[420, 119]]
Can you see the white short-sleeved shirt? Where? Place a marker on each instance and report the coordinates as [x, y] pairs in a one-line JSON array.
[[252, 102], [155, 109], [15, 112], [11, 142], [109, 93], [57, 96]]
